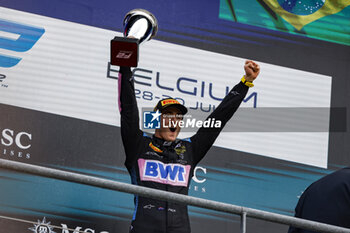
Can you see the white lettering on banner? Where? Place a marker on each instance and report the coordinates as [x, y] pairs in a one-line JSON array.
[[22, 140], [65, 229], [8, 135], [199, 185], [78, 229], [18, 140], [195, 174], [45, 227]]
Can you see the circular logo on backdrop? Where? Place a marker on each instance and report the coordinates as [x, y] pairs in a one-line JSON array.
[[301, 7], [42, 227]]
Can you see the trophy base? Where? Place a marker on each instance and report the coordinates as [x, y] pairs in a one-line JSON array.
[[124, 51]]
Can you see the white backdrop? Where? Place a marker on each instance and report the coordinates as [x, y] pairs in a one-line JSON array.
[[65, 73]]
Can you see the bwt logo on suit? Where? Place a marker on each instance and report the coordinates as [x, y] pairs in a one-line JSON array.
[[15, 144]]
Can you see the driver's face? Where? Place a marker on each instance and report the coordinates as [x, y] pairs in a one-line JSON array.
[[169, 129]]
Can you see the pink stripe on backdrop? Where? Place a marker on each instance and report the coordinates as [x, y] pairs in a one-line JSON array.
[[119, 91]]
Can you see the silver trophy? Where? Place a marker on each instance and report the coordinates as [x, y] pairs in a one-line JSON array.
[[139, 26]]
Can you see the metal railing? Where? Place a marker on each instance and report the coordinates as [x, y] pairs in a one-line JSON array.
[[244, 212]]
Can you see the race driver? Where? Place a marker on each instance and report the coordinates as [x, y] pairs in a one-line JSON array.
[[162, 161]]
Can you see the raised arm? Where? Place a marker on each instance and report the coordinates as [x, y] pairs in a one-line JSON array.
[[132, 136], [205, 137]]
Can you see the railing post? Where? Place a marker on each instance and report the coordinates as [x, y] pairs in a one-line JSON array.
[[243, 222]]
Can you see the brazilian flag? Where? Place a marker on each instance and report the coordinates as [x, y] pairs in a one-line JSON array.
[[322, 19]]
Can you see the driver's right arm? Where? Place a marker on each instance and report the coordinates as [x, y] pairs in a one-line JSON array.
[[132, 136]]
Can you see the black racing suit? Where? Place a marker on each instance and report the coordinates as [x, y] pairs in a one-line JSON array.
[[327, 200], [155, 163]]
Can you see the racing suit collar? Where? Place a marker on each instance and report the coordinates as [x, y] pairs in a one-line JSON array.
[[163, 143], [168, 147]]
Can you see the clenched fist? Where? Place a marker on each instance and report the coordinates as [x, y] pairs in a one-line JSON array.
[[252, 70]]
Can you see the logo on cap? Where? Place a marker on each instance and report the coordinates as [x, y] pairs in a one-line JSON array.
[[169, 101]]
